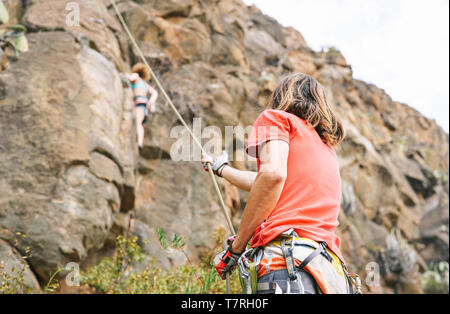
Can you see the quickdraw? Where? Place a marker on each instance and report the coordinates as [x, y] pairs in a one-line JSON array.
[[248, 266]]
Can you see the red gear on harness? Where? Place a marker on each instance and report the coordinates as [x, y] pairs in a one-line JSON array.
[[227, 260]]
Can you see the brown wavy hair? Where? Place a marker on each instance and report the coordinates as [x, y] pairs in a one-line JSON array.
[[142, 70], [303, 96]]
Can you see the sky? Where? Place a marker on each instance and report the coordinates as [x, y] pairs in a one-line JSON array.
[[401, 46]]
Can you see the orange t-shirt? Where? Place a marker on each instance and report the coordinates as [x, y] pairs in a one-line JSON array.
[[310, 200]]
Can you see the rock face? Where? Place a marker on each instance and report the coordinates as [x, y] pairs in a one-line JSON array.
[[70, 176], [67, 152]]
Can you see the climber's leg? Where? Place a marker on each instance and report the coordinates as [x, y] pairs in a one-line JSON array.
[[140, 117]]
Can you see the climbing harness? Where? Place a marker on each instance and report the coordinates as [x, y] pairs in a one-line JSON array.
[[141, 100], [291, 264], [180, 118]]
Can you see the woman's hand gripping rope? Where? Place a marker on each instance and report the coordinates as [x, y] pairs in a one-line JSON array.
[[217, 164]]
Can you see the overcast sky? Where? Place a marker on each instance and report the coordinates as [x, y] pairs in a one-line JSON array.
[[401, 46]]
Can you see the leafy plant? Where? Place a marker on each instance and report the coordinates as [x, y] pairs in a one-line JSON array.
[[177, 242], [53, 283], [116, 275], [11, 36], [436, 280], [441, 175], [333, 54], [14, 36], [110, 275], [162, 238], [199, 277], [12, 279]]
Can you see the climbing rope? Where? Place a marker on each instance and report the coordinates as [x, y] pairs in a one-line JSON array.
[[183, 122]]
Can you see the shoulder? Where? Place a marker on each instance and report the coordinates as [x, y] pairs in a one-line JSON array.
[[286, 121], [274, 113], [280, 117], [271, 116]]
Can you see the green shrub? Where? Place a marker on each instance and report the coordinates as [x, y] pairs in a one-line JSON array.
[[436, 280], [13, 36], [333, 54], [12, 280], [116, 275]]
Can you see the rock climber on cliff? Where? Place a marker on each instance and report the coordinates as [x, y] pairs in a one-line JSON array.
[[294, 201], [141, 93]]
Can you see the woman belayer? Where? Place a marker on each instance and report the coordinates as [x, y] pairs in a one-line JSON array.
[[294, 201], [144, 97]]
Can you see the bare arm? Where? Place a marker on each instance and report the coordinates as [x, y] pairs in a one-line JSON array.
[[153, 97], [265, 192], [244, 180]]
